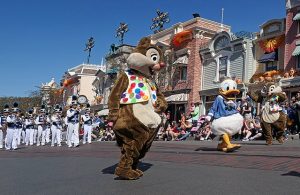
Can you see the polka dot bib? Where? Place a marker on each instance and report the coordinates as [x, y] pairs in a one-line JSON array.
[[138, 90]]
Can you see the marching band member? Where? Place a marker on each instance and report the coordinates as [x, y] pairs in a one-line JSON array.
[[23, 134], [48, 127], [87, 125], [11, 135], [29, 126], [66, 127], [3, 124], [56, 127], [41, 122], [73, 123], [19, 127]]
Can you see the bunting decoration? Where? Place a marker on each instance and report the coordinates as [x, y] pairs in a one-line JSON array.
[[182, 37], [270, 45]]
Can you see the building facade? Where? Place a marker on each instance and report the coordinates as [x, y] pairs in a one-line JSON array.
[[115, 62], [78, 81], [291, 78], [181, 80], [50, 94], [226, 55]]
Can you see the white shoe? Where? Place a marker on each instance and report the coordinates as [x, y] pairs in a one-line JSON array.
[[83, 142], [201, 139], [43, 144], [245, 139], [59, 145], [1, 147], [69, 146]]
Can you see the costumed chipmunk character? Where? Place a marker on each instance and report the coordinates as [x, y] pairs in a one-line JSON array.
[[227, 121], [270, 97], [134, 107]]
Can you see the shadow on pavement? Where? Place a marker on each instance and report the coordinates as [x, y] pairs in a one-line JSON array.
[[142, 166], [213, 150], [292, 173], [206, 149]]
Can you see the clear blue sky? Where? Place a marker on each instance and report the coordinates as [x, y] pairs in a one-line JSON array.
[[41, 39]]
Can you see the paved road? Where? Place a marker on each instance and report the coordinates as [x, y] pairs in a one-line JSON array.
[[187, 167]]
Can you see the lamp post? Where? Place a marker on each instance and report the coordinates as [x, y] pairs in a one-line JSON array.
[[88, 47], [159, 21], [121, 30]]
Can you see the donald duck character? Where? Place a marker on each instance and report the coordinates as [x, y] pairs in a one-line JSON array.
[[227, 121]]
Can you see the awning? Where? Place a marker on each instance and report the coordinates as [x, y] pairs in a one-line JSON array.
[[296, 51], [268, 57], [182, 97], [182, 60], [103, 112], [297, 16]]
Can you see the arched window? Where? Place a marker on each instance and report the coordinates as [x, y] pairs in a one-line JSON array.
[[221, 43]]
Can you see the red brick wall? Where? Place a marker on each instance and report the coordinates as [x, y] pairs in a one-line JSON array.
[[290, 39]]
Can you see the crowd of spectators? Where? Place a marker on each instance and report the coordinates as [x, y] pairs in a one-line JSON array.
[[193, 126], [102, 129]]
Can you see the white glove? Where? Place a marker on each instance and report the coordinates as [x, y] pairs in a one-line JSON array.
[[208, 118]]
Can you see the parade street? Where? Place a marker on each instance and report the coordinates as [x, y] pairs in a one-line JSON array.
[[188, 167]]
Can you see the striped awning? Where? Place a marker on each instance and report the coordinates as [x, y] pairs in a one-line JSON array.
[[182, 60], [296, 51], [103, 112], [297, 16]]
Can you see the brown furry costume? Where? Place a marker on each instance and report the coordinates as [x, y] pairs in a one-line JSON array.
[[272, 116], [136, 123]]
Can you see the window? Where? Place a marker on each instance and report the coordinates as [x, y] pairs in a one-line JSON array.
[[271, 66], [223, 66], [298, 62], [183, 73], [221, 43]]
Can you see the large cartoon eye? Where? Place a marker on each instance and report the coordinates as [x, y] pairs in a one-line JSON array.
[[225, 86], [153, 54], [272, 87]]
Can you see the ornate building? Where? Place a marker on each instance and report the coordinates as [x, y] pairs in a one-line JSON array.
[[181, 80], [49, 92], [226, 55], [78, 81], [115, 62], [291, 78]]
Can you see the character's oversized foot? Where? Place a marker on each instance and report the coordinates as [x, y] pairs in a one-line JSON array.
[[127, 173], [236, 145], [231, 148], [269, 142], [280, 140], [221, 146], [141, 173]]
